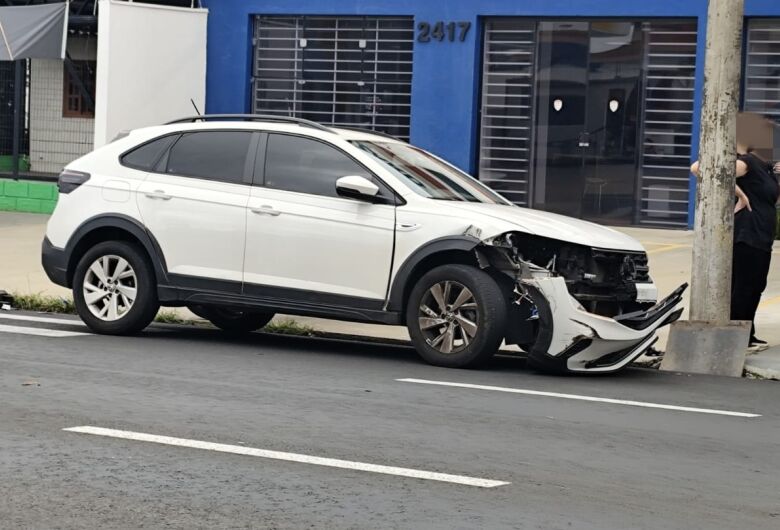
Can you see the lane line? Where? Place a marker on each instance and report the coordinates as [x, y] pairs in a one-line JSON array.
[[40, 332], [289, 457], [666, 248], [770, 301], [583, 398], [45, 320]]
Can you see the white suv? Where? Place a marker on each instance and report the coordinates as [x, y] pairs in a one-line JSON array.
[[241, 217]]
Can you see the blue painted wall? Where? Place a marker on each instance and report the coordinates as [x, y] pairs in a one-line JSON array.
[[445, 76]]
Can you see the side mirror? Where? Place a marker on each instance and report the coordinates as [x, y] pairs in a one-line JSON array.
[[357, 187]]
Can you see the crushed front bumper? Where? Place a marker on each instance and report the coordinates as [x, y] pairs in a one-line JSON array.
[[572, 340]]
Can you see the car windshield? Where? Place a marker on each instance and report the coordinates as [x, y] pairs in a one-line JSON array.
[[427, 175]]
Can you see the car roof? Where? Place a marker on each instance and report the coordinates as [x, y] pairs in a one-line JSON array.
[[269, 123]]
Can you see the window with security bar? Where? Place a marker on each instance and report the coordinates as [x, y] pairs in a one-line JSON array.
[[762, 71], [669, 81], [81, 78], [351, 71], [507, 107]]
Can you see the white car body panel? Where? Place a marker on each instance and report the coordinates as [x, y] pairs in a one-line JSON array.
[[316, 243], [90, 200], [201, 225], [499, 218]]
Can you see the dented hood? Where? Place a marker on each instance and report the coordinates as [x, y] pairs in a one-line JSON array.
[[507, 218]]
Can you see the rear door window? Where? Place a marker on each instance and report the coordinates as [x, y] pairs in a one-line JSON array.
[[213, 155]]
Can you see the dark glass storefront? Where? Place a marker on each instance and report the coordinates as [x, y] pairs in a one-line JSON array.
[[590, 118]]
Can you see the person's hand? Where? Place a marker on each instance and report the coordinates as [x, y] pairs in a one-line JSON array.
[[776, 168], [742, 203]]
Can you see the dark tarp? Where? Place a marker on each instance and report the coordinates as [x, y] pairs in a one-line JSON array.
[[33, 32]]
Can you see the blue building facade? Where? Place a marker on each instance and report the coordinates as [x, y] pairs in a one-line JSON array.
[[589, 107]]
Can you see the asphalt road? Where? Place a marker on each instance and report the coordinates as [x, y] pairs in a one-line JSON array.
[[570, 463]]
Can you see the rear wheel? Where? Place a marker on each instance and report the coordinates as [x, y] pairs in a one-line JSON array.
[[233, 320], [114, 288], [456, 316]]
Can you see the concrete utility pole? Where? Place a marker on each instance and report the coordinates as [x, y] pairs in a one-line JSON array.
[[714, 221], [710, 343]]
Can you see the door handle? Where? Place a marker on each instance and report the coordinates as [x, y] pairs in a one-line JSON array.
[[158, 194], [265, 210]]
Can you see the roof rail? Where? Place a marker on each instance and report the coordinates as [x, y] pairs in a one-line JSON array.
[[252, 117], [369, 131]]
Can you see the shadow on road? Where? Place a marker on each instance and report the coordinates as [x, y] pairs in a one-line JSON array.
[[504, 362]]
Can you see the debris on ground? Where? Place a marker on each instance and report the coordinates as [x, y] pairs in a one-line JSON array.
[[6, 301]]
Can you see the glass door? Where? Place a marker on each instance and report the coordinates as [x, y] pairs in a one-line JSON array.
[[588, 90]]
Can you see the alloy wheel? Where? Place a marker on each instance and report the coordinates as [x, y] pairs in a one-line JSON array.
[[448, 317], [110, 287]]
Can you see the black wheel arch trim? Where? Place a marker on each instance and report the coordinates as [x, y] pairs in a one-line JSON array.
[[395, 299], [121, 222]]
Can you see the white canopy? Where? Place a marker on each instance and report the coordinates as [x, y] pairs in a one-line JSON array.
[[33, 32]]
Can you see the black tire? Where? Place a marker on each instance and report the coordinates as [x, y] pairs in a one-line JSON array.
[[490, 314], [145, 305], [233, 321]]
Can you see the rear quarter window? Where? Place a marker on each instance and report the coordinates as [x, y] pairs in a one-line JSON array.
[[146, 156]]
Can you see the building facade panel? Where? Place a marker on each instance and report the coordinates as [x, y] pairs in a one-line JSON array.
[[590, 108]]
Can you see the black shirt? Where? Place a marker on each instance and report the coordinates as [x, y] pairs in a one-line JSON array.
[[757, 228]]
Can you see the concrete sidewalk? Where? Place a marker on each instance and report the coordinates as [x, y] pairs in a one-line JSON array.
[[669, 252]]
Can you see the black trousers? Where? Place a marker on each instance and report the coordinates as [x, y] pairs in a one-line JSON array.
[[748, 281]]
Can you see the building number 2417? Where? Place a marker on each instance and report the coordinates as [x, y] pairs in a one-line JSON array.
[[440, 30]]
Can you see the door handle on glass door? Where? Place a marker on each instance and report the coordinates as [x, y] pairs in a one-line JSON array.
[[158, 194], [266, 210]]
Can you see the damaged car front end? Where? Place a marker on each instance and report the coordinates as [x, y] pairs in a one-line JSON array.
[[576, 308]]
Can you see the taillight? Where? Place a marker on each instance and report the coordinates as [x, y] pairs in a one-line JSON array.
[[70, 180]]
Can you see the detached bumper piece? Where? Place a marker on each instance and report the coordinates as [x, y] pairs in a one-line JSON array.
[[572, 340]]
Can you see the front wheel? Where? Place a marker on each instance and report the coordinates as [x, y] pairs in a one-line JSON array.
[[233, 320], [114, 288], [456, 316]]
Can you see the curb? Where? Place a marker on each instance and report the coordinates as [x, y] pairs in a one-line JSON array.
[[765, 373]]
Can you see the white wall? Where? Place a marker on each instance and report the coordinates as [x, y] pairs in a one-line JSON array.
[[54, 140], [151, 61]]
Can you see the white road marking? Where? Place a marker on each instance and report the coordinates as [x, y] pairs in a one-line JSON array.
[[290, 457], [583, 398], [45, 320], [40, 332]]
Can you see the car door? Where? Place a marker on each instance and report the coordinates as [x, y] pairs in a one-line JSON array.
[[303, 237], [194, 204]]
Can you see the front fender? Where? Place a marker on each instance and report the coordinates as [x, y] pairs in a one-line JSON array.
[[395, 300]]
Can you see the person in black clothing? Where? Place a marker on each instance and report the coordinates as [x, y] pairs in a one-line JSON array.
[[755, 222]]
